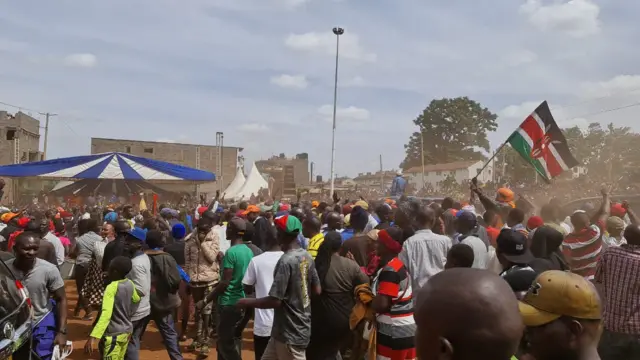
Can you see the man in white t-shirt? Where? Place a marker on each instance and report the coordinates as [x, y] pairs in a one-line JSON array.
[[260, 275]]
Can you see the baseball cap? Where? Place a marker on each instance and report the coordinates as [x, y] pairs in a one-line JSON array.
[[557, 293], [6, 217], [513, 246], [289, 224], [618, 210], [251, 209], [534, 222], [466, 216], [139, 234], [239, 224]]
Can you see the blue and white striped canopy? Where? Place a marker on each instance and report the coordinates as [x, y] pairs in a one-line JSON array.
[[113, 165]]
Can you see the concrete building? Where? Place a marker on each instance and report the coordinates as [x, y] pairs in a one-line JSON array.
[[276, 164], [461, 171], [19, 143], [204, 157]]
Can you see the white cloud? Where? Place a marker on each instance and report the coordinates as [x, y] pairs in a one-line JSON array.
[[254, 128], [325, 43], [81, 60], [356, 81], [519, 111], [521, 57], [618, 85], [564, 116], [290, 81], [351, 113], [577, 18]]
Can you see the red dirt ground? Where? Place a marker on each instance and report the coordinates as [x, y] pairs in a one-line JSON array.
[[152, 348]]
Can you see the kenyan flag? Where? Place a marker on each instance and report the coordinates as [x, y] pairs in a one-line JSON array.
[[541, 143]]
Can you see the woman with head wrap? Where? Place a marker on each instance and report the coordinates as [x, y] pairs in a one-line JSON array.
[[330, 311], [614, 235], [545, 244], [393, 302]]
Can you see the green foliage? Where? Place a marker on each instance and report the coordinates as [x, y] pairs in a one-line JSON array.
[[448, 185], [453, 129], [302, 156]]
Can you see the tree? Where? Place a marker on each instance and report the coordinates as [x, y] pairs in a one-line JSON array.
[[453, 130], [448, 184], [304, 156]]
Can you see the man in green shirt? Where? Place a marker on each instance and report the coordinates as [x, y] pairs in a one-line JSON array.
[[229, 290]]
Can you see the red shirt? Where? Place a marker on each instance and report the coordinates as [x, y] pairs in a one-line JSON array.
[[493, 235]]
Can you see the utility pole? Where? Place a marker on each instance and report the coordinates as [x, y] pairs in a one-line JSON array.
[[46, 133], [337, 31], [381, 175], [422, 154]]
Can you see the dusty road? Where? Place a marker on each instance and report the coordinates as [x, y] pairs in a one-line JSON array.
[[152, 348]]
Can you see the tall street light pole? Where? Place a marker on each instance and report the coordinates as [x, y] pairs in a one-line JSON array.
[[337, 31], [422, 154]]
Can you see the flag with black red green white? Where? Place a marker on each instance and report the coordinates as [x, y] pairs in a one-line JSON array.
[[541, 143]]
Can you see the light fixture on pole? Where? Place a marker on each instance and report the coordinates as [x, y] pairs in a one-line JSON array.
[[337, 32]]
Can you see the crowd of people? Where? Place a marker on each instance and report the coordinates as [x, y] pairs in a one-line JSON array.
[[489, 278]]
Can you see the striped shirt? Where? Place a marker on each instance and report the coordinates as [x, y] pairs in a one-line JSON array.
[[582, 250], [396, 329]]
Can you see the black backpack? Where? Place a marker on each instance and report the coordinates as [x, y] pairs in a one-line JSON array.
[[164, 273]]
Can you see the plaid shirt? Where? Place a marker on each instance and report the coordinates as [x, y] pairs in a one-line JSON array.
[[618, 272]]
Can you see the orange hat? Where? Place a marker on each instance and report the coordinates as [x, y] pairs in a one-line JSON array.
[[251, 209], [315, 203], [6, 217]]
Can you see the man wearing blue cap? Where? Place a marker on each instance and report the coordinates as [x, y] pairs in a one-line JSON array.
[[140, 275]]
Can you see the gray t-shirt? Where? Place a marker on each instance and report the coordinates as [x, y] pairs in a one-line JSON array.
[[43, 279], [293, 277], [141, 276], [57, 245], [85, 245]]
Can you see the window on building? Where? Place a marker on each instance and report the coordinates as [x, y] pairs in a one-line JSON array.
[[148, 150], [11, 134], [182, 155], [477, 171], [438, 173], [127, 149]]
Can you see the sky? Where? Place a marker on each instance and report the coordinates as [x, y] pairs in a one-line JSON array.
[[262, 71]]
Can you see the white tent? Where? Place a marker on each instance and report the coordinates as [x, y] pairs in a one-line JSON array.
[[235, 186], [252, 185]]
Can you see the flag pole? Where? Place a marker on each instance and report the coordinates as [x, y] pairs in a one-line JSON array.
[[495, 153]]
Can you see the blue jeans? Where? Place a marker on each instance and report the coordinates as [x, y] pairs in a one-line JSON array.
[[164, 323]]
